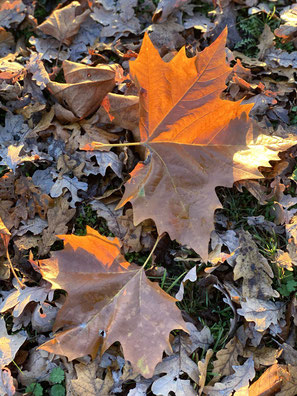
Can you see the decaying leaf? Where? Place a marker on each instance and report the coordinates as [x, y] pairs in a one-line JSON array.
[[263, 313], [10, 344], [174, 366], [193, 140], [227, 358], [108, 300], [64, 23], [239, 381], [270, 381], [254, 269], [85, 87], [86, 382], [289, 387]]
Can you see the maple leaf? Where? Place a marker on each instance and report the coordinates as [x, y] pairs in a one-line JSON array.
[[108, 300], [196, 142], [63, 24]]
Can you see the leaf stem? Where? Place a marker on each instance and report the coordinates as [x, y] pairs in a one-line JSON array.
[[100, 145], [153, 249], [22, 286]]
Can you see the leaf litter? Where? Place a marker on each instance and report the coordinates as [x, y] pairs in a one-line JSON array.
[[129, 259]]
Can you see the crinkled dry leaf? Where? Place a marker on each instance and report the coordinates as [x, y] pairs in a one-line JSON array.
[[6, 383], [11, 12], [270, 381], [70, 184], [191, 276], [64, 23], [202, 368], [263, 313], [264, 356], [12, 158], [289, 15], [193, 139], [289, 387], [174, 366], [85, 87], [108, 300], [10, 344], [19, 298], [227, 358], [254, 269], [87, 384], [238, 381]]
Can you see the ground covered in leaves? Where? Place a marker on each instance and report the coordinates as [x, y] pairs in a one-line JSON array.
[[148, 203]]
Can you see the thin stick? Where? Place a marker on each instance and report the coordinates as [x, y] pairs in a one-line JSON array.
[[13, 271], [153, 249]]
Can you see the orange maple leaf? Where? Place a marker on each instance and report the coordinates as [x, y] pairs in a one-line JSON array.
[[108, 300], [196, 142]]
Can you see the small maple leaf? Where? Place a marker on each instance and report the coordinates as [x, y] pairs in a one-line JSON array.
[[196, 142], [108, 300]]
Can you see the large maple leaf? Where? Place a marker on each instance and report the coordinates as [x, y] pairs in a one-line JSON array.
[[108, 300], [196, 141]]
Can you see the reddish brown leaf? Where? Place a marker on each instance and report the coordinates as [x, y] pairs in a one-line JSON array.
[[196, 142], [108, 300]]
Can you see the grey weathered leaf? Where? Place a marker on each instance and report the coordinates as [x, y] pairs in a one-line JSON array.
[[73, 185], [191, 276], [12, 12], [36, 226], [235, 382], [13, 131], [107, 159], [10, 344]]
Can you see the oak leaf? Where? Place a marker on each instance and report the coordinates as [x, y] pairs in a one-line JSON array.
[[254, 269], [64, 24], [226, 358], [196, 141], [270, 381], [10, 344], [108, 300]]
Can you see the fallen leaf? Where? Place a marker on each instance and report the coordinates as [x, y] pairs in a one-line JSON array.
[[85, 87], [202, 368], [19, 298], [270, 381], [11, 12], [289, 28], [193, 139], [226, 358], [72, 185], [235, 382], [10, 344], [6, 383], [263, 356], [254, 269], [165, 8], [99, 306], [12, 158], [191, 276], [86, 383], [64, 23], [289, 386], [174, 366], [263, 313]]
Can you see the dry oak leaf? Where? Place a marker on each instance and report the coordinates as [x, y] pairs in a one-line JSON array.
[[196, 142], [289, 387], [227, 358], [85, 87], [87, 384], [254, 269], [108, 300], [10, 344], [270, 381], [64, 24]]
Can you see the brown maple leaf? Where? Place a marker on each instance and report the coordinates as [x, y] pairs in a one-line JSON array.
[[196, 141], [108, 300], [85, 87], [64, 24]]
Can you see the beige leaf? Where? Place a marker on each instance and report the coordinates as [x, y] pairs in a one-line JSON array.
[[269, 382], [85, 87], [202, 367], [289, 387], [64, 23], [254, 269], [265, 356], [266, 41], [86, 383], [238, 381], [263, 313], [227, 358], [10, 344]]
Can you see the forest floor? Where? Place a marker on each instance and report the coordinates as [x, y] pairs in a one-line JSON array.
[[64, 71]]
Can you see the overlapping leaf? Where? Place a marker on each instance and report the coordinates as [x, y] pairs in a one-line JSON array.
[[108, 300], [196, 142]]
